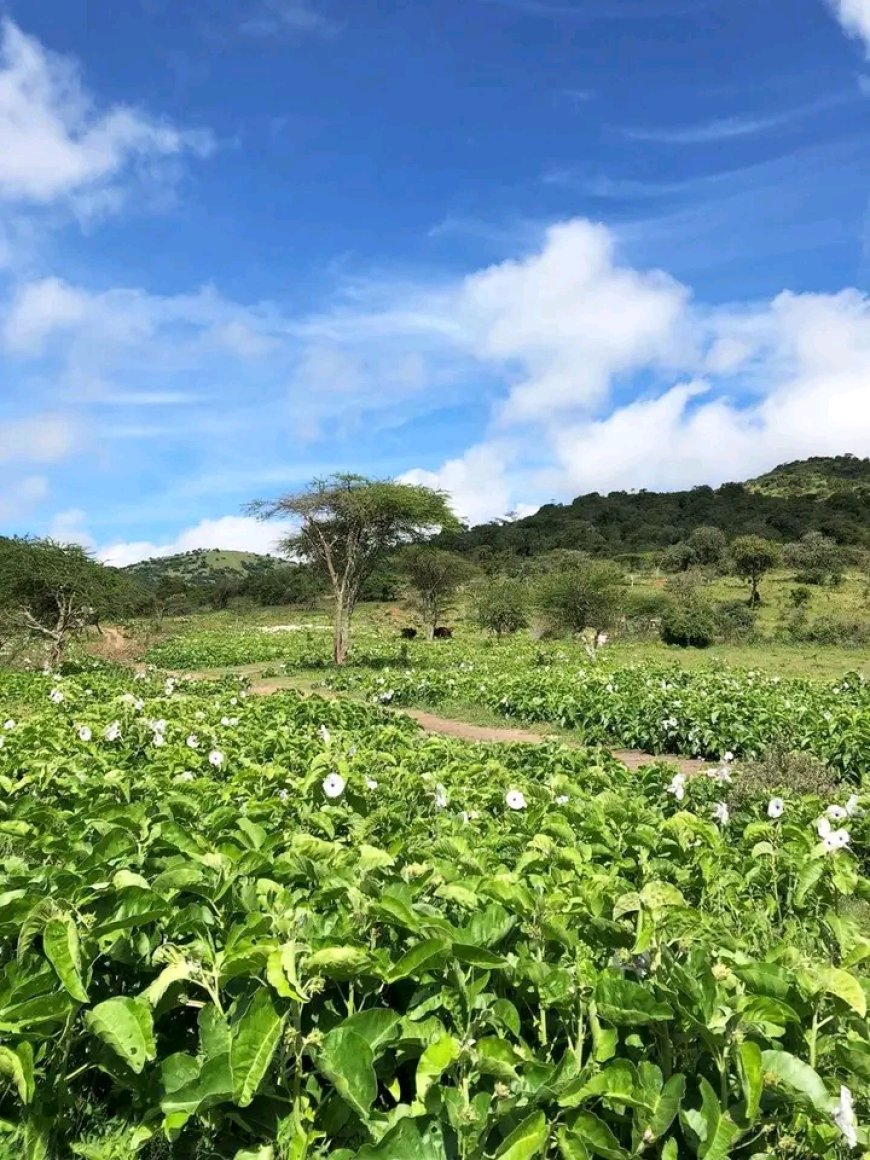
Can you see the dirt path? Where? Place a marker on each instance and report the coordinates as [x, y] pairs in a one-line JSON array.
[[464, 730]]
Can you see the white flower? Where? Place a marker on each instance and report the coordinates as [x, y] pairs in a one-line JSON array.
[[85, 733], [234, 700], [158, 726], [325, 735], [729, 756], [56, 696], [216, 758], [10, 724], [193, 741], [371, 783], [837, 812], [333, 786], [836, 840], [225, 721], [128, 699], [200, 716], [186, 776], [823, 827], [139, 676], [562, 799], [843, 1115], [112, 732], [440, 797], [852, 806], [678, 786], [169, 687], [283, 794], [515, 800], [158, 740], [723, 773], [775, 808], [721, 814]]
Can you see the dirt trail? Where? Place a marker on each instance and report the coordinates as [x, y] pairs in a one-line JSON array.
[[465, 731]]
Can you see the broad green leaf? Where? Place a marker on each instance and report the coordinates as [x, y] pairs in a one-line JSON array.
[[215, 1036], [60, 941], [749, 1068], [571, 1147], [787, 1069], [846, 987], [720, 1131], [17, 1067], [347, 1061], [528, 1139], [809, 875], [126, 1026], [434, 1061], [213, 1085], [267, 1152], [617, 1081], [281, 973], [173, 973], [416, 959], [666, 1105], [406, 1142], [340, 962], [377, 1026], [478, 957], [622, 1001], [255, 1038], [597, 1137]]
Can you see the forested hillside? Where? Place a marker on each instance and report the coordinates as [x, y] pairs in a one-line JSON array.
[[831, 496]]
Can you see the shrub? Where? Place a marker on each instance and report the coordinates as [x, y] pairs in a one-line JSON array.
[[735, 620], [575, 599], [689, 625], [782, 770], [843, 631], [500, 606]]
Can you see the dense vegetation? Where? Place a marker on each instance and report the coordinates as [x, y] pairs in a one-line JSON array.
[[831, 496], [292, 928]]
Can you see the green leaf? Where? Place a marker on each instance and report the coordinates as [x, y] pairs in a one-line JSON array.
[[528, 1139], [666, 1105], [341, 962], [624, 1002], [215, 1036], [571, 1147], [415, 959], [377, 1026], [267, 1152], [347, 1061], [720, 1130], [213, 1085], [749, 1068], [478, 957], [616, 1082], [255, 1038], [17, 1067], [127, 1027], [597, 1137], [846, 987], [434, 1061], [787, 1069], [809, 875], [60, 941], [405, 1142]]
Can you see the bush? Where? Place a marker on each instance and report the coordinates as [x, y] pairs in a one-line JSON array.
[[689, 625], [780, 771], [500, 606], [575, 599], [843, 631], [735, 620]]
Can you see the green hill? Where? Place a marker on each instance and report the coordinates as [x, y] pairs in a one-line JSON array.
[[202, 567], [831, 496], [819, 477]]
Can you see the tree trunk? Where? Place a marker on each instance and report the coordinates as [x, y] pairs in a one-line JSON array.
[[341, 634]]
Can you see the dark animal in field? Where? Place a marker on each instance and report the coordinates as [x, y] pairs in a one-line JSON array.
[[442, 633], [408, 633]]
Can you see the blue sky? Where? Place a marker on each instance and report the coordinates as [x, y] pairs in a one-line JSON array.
[[519, 249]]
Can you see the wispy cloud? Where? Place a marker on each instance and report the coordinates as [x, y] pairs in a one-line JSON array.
[[725, 128], [274, 17]]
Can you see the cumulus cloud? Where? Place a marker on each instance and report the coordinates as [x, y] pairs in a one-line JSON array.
[[854, 15], [566, 320], [235, 533], [55, 143], [477, 482]]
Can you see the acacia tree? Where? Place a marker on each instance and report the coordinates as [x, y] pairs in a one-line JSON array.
[[753, 556], [433, 577], [55, 591], [347, 524], [501, 605], [580, 598]]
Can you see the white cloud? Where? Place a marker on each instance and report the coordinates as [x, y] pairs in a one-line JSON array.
[[55, 143], [38, 439], [272, 17], [68, 527], [750, 386], [568, 319], [854, 15], [234, 533]]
